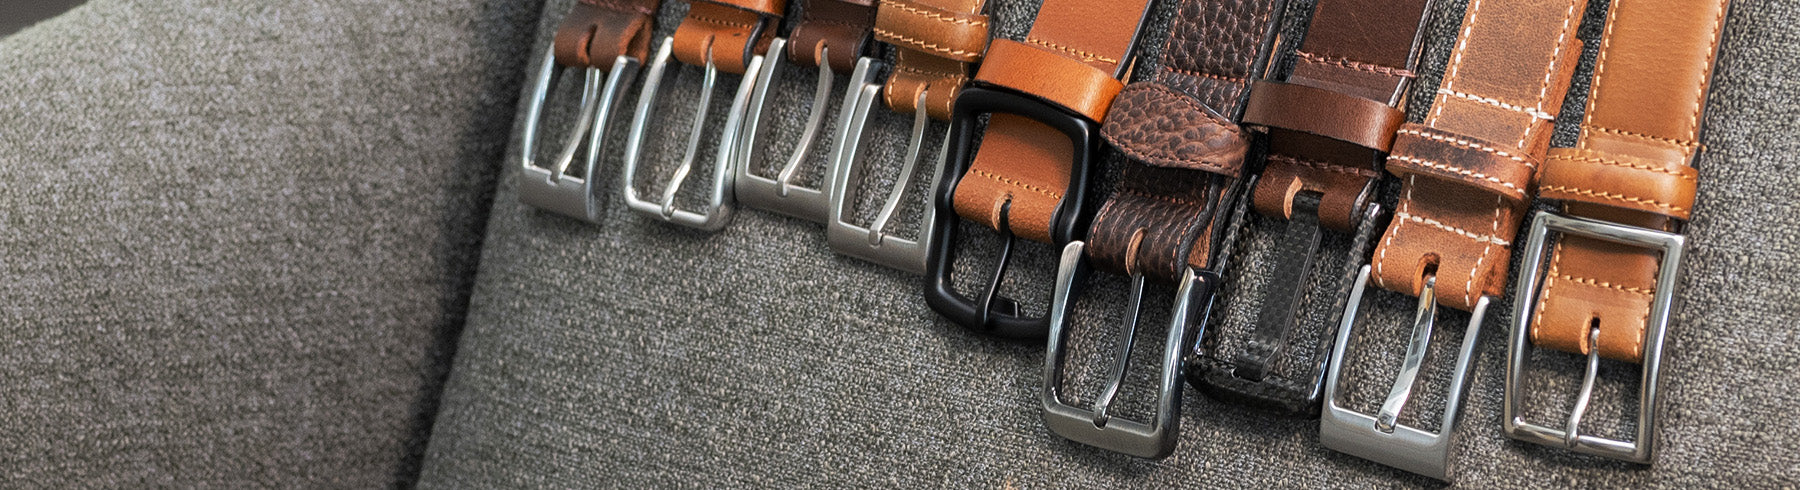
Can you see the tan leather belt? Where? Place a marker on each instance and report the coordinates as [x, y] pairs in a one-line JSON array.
[[1181, 184], [1045, 95], [937, 42], [1328, 123], [1464, 176], [1625, 187], [596, 35], [727, 33]]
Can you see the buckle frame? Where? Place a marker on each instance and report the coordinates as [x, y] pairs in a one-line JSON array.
[[1642, 449], [1379, 438], [720, 206], [779, 194], [872, 243], [552, 189], [996, 315], [1095, 427]]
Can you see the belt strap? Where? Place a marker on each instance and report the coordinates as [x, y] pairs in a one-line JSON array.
[[841, 25], [939, 40], [732, 31], [1339, 108], [1631, 165], [1466, 171], [1073, 58], [1181, 132], [598, 31]]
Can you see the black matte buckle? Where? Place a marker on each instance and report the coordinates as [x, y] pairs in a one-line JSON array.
[[994, 314], [1248, 379]]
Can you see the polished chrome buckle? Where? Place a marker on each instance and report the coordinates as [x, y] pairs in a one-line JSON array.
[[1095, 426], [780, 194], [1519, 349], [1380, 438], [720, 206], [873, 243], [551, 188]]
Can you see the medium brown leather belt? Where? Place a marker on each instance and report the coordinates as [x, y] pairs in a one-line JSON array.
[[1464, 176], [939, 40], [598, 31], [1625, 187], [732, 31], [1187, 153], [1046, 96], [1329, 122]]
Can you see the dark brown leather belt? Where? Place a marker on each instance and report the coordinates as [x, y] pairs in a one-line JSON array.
[[1329, 123], [1626, 187], [1187, 153], [1464, 172], [1046, 96]]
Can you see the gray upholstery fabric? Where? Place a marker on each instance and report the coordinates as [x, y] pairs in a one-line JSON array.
[[239, 236], [636, 353]]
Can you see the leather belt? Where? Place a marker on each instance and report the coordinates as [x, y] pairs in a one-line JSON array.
[[1625, 187], [1328, 122], [831, 36], [1046, 96], [1187, 152], [937, 42], [596, 35], [719, 35], [1464, 176]]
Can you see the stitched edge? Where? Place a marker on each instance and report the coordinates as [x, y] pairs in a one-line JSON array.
[[1497, 103], [1543, 299], [1016, 183], [1712, 52], [1197, 73], [1683, 144], [1355, 65], [934, 15], [1469, 144], [1405, 208], [1619, 163], [1604, 284], [1468, 173], [1456, 58], [933, 47], [1587, 118], [1469, 288], [1359, 172], [1614, 197], [1550, 68], [720, 22], [1478, 238], [1085, 56]]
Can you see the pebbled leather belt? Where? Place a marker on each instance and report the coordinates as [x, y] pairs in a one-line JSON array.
[[596, 35], [1329, 123], [1046, 96], [722, 36], [1626, 187], [938, 41], [1187, 153], [1465, 173]]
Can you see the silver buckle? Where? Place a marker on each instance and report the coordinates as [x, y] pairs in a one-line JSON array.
[[779, 194], [1519, 349], [551, 188], [1380, 438], [873, 243], [1096, 427], [719, 207]]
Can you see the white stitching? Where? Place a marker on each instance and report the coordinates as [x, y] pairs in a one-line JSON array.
[[1469, 173], [1470, 144], [1459, 231], [1503, 105], [1462, 44]]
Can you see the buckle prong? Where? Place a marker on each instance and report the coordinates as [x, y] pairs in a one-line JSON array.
[[719, 207], [993, 290], [1587, 389], [874, 243], [693, 144], [878, 228], [551, 187], [1424, 321], [1122, 359]]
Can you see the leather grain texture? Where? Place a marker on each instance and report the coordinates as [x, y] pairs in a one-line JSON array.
[[595, 32], [938, 41]]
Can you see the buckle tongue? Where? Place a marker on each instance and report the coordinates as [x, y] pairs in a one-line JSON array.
[[780, 194], [719, 208], [551, 188], [873, 243]]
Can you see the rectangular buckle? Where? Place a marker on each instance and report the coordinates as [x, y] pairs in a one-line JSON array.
[[1380, 438], [779, 194], [720, 206], [996, 315], [1095, 427], [551, 188], [873, 243], [1519, 348]]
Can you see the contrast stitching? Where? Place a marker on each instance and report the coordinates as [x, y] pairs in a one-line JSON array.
[[1614, 197], [720, 22], [934, 15], [922, 44], [1478, 238], [1471, 145], [1712, 51], [1587, 119], [1021, 185], [1355, 65], [1462, 44], [1550, 68], [945, 75], [1683, 144], [1537, 319], [1498, 103], [1617, 163], [1197, 73], [1405, 206], [1083, 54], [1469, 288], [1469, 173], [1604, 284], [1359, 172]]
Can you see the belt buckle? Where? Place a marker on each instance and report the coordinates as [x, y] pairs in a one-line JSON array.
[[1380, 438], [997, 315], [779, 194], [873, 243], [1519, 349], [551, 188], [1095, 427], [720, 206]]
